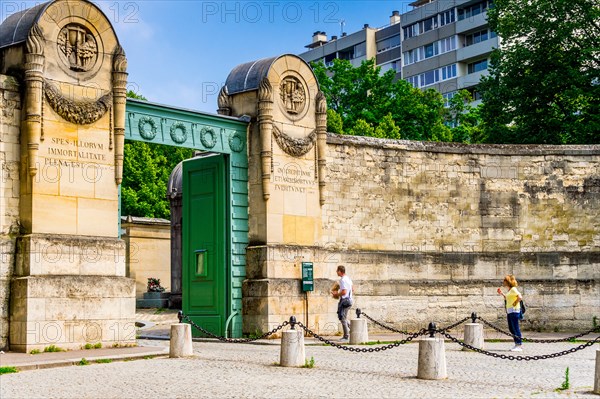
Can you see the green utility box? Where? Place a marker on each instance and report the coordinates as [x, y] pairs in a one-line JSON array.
[[307, 277]]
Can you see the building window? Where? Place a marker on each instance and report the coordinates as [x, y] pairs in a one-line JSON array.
[[390, 65], [448, 44], [448, 96], [478, 66], [428, 24], [430, 77], [447, 17], [360, 50], [472, 10], [476, 37], [346, 54], [411, 31], [414, 81], [329, 59], [475, 94], [388, 43], [430, 50], [449, 72]]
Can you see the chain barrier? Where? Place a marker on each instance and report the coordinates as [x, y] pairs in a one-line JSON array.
[[363, 350], [539, 341], [380, 324], [511, 357], [235, 340]]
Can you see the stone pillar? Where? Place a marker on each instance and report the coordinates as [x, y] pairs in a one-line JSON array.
[[181, 340], [69, 285], [474, 335], [359, 332], [292, 349], [119, 78], [597, 374], [321, 113], [265, 120], [432, 359], [34, 68]]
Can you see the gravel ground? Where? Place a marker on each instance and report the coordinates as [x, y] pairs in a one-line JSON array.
[[249, 371]]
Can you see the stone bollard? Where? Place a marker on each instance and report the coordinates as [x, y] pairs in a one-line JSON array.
[[181, 340], [432, 358], [474, 335], [358, 331], [292, 349], [597, 379]]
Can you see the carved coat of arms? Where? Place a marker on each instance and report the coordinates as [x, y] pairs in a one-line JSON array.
[[78, 47]]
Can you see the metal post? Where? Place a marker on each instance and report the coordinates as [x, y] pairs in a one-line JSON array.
[[431, 329], [358, 313], [474, 317], [180, 316], [293, 322]]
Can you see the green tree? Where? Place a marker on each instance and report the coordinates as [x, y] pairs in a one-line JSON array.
[[146, 171], [363, 93], [362, 128], [464, 118], [387, 128], [544, 81], [334, 122]]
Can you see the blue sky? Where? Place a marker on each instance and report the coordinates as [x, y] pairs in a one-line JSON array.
[[180, 52]]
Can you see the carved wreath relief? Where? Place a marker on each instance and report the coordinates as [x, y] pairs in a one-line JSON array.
[[78, 47], [293, 95]]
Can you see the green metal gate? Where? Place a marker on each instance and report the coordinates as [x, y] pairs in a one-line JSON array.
[[215, 207], [205, 249]]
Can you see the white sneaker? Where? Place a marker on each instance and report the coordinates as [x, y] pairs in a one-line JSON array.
[[517, 348], [343, 339]]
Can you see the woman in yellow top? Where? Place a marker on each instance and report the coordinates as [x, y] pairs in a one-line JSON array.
[[512, 299]]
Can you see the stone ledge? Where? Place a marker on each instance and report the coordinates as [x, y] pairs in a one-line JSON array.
[[458, 148]]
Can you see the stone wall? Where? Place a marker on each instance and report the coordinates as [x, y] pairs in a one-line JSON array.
[[10, 119], [148, 249], [427, 232]]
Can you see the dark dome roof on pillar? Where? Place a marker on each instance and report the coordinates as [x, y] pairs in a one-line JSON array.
[[16, 27], [247, 76]]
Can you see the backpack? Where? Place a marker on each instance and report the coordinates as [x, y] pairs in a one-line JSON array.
[[523, 310]]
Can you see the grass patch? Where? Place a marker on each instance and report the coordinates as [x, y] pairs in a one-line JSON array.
[[104, 361], [159, 310], [83, 362], [149, 357], [92, 346], [8, 370], [566, 383], [120, 345], [54, 348], [35, 352], [309, 364]]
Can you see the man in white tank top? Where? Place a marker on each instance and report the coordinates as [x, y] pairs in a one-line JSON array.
[[345, 294]]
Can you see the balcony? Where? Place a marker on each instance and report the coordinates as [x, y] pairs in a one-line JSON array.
[[471, 23], [471, 79], [475, 51]]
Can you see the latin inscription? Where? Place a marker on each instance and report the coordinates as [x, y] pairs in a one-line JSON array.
[[295, 178], [80, 152]]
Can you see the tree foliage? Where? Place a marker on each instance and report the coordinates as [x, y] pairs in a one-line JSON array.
[[146, 171], [374, 104], [544, 81]]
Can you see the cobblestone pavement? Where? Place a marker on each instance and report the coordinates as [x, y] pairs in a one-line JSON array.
[[249, 371]]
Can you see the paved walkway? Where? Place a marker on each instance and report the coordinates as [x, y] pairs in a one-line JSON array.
[[250, 370]]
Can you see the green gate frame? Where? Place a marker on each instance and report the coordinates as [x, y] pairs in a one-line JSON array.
[[163, 124]]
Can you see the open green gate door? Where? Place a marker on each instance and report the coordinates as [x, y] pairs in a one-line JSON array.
[[205, 241]]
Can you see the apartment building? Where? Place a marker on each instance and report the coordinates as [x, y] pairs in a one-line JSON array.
[[383, 44], [446, 45], [439, 44]]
